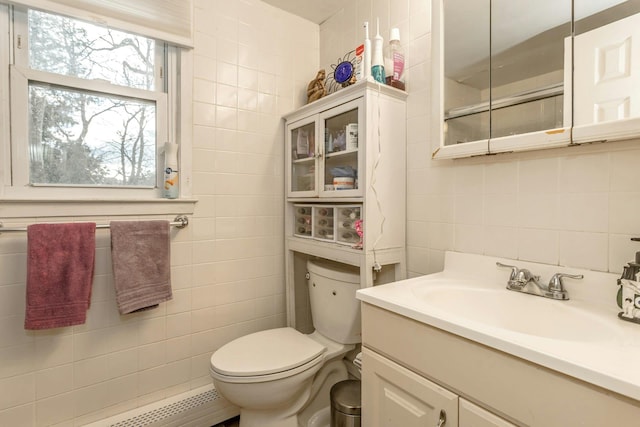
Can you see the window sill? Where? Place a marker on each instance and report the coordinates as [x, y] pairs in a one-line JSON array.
[[20, 208]]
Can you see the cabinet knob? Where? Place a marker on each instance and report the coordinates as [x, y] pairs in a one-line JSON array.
[[443, 418]]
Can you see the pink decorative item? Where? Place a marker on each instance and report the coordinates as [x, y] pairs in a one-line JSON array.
[[358, 225]]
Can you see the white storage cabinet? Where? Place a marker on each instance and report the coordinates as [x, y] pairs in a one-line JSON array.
[[346, 153]]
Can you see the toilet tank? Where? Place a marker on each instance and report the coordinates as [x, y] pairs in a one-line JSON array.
[[335, 310]]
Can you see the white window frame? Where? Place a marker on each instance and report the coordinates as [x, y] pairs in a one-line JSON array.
[[173, 119]]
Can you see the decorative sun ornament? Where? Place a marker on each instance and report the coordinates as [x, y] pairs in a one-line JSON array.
[[343, 73]]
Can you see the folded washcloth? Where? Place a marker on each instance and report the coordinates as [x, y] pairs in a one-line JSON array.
[[140, 255], [60, 261]]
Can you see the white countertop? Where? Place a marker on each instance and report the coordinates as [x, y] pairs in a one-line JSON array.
[[608, 359]]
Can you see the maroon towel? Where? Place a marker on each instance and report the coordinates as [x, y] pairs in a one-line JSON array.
[[60, 261], [141, 260]]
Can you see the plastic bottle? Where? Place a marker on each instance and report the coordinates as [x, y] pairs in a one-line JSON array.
[[170, 187], [394, 61], [363, 56], [377, 60], [366, 59]]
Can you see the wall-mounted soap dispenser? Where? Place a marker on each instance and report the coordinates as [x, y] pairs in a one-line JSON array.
[[629, 292]]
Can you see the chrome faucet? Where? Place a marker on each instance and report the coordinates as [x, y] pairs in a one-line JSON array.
[[522, 280]]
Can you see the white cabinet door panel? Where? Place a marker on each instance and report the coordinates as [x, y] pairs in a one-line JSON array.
[[395, 396], [607, 72]]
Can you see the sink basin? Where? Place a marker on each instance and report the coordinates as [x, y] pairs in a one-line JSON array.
[[516, 312]]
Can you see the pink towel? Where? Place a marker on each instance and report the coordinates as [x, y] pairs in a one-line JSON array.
[[60, 260], [141, 260]]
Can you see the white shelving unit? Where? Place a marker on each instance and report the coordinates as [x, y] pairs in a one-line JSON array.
[[360, 132]]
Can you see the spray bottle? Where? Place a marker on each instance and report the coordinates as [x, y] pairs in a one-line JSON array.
[[377, 60], [170, 185], [394, 61]]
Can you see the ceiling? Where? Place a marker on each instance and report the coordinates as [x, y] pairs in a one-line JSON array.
[[316, 11]]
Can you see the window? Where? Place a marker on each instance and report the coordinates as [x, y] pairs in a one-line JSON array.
[[89, 107]]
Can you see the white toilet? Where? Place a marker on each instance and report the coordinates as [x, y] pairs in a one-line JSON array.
[[280, 377]]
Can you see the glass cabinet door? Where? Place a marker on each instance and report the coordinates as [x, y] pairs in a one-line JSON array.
[[303, 155], [340, 161]]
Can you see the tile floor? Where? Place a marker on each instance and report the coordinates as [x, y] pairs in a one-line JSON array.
[[233, 422]]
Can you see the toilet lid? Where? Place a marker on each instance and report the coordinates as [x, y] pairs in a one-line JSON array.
[[265, 352]]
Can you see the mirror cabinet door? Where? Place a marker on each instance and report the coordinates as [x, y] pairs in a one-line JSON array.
[[606, 70], [506, 74], [467, 80], [529, 59]]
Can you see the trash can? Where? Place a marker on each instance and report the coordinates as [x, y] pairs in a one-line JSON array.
[[346, 405]]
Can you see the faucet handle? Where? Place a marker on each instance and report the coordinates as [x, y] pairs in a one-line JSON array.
[[555, 283], [514, 270], [519, 276], [525, 276]]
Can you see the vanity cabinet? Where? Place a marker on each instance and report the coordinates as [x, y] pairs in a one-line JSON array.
[[410, 368], [345, 167]]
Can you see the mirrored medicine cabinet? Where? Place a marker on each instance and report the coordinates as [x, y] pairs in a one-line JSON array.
[[515, 75]]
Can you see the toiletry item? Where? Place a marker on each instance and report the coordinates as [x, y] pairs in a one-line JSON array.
[[170, 187], [348, 236], [394, 61], [343, 182], [366, 59], [325, 222], [377, 60], [302, 144], [352, 136], [359, 61], [628, 297], [325, 234], [340, 141]]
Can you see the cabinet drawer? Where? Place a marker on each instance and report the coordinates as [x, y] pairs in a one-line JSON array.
[[329, 223]]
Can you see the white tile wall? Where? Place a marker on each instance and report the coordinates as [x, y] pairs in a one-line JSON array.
[[251, 64]]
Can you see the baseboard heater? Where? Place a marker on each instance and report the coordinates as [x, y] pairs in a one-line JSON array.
[[201, 407]]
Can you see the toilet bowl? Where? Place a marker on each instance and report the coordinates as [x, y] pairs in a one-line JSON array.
[[273, 375]]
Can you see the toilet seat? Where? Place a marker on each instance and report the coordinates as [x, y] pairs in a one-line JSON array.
[[266, 355]]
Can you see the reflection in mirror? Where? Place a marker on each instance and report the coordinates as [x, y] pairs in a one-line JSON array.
[[466, 70], [606, 61], [504, 67], [528, 65]]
